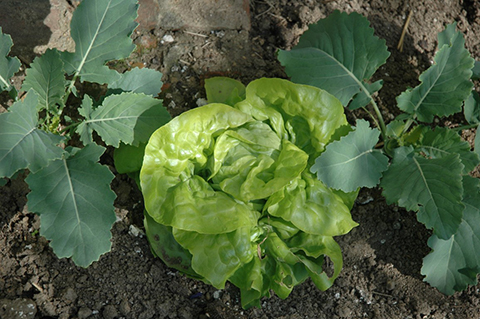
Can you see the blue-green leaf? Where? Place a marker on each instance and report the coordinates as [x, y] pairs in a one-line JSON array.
[[352, 162], [430, 186], [445, 85], [8, 65], [455, 262], [22, 144], [128, 117], [442, 142], [471, 108], [75, 204], [146, 81], [338, 54], [101, 31], [476, 71], [47, 78]]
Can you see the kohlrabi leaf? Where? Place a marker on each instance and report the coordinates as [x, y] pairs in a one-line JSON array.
[[146, 81], [224, 90], [22, 144], [128, 117], [432, 187], [101, 31], [8, 65], [47, 78], [445, 85], [471, 108], [477, 142], [338, 54], [352, 162], [472, 115], [476, 71], [455, 262], [75, 204], [442, 142]]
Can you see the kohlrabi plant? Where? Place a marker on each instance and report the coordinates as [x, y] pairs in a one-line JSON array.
[[229, 194], [69, 188], [421, 166]]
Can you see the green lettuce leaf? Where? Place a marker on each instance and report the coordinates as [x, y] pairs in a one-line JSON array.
[[224, 90], [216, 257], [164, 245], [306, 117], [308, 204], [256, 165], [129, 158], [338, 54], [176, 150]]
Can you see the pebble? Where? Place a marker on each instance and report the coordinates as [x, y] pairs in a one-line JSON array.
[[125, 307], [110, 312], [390, 285], [84, 313], [135, 231], [167, 38]]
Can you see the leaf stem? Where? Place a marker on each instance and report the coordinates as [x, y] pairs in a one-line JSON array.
[[70, 88], [409, 123], [383, 128], [69, 127], [465, 127]]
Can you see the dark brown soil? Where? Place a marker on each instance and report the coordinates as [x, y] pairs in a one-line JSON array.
[[382, 257]]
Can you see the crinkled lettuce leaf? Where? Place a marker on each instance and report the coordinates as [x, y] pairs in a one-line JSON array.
[[232, 190], [311, 207], [299, 113]]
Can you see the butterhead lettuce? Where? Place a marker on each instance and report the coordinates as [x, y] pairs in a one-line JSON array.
[[229, 194]]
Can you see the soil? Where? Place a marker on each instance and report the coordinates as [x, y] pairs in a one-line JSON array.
[[382, 256]]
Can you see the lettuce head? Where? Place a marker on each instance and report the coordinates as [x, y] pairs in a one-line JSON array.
[[229, 194]]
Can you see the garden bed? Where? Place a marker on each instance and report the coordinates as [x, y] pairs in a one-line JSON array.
[[382, 256]]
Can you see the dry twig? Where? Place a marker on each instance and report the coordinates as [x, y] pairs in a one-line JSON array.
[[404, 31]]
